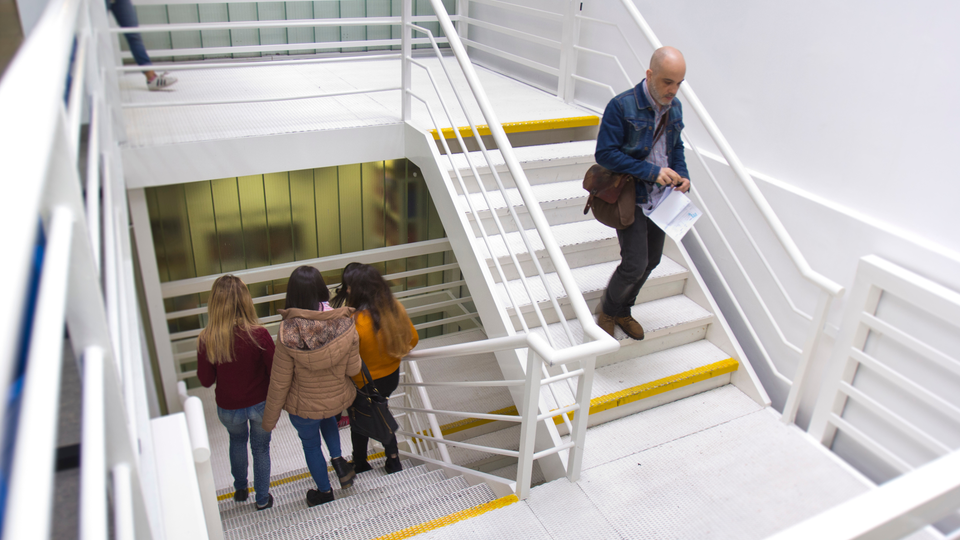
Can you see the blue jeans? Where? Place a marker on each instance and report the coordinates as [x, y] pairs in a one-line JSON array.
[[126, 16], [236, 423], [309, 432]]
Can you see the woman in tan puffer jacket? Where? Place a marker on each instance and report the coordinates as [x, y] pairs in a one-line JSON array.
[[317, 352]]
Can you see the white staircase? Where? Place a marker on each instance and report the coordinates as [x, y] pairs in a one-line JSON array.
[[377, 504], [687, 348]]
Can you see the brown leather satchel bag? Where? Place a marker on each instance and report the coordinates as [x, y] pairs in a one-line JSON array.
[[612, 197]]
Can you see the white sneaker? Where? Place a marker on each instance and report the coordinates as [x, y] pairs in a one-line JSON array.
[[161, 82]]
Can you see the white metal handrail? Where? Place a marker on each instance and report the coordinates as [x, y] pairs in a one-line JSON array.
[[892, 511]]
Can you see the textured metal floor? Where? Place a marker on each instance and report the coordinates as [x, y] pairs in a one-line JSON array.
[[513, 101], [711, 466]]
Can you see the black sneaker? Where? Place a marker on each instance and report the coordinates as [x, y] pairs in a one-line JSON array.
[[268, 504], [241, 495], [393, 465], [345, 472], [315, 497], [360, 466]]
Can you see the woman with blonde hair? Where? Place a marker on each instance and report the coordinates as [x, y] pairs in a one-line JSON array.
[[236, 352], [317, 353], [386, 335]]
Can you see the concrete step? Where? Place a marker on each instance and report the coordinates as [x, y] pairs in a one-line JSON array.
[[541, 164], [667, 279], [290, 496], [327, 517]]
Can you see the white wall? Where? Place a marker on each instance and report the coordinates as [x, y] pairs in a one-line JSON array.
[[854, 101], [848, 113]]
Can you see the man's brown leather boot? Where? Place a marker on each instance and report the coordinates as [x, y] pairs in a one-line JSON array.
[[630, 326], [607, 323]]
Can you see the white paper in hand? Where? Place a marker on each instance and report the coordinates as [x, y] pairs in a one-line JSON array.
[[675, 214]]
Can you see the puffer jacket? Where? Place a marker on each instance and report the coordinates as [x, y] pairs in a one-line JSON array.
[[317, 352]]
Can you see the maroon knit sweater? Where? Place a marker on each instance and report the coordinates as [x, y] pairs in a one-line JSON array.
[[243, 382]]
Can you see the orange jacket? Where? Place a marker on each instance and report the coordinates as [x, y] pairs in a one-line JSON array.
[[379, 364]]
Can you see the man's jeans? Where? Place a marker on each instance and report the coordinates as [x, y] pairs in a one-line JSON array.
[[309, 432], [236, 423], [641, 246], [126, 16]]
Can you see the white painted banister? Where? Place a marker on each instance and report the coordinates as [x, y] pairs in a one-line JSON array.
[[783, 236]]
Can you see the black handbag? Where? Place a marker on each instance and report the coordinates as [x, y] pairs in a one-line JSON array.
[[369, 414]]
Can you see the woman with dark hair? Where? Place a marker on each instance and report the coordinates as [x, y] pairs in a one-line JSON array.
[[386, 335], [317, 352]]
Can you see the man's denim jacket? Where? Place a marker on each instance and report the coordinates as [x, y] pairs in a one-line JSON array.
[[626, 138]]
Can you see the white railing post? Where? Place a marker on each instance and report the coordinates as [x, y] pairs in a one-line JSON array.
[[580, 418], [93, 464], [200, 444], [566, 86], [406, 49], [463, 24], [813, 339], [426, 404], [528, 428]]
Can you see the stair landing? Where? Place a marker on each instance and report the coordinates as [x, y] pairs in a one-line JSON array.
[[712, 466]]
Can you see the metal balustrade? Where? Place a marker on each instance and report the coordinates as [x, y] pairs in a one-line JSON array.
[[568, 79]]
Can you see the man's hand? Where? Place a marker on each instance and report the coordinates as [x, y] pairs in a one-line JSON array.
[[683, 186], [668, 177]]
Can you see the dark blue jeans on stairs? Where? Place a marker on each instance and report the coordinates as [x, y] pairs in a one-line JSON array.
[[310, 438], [242, 424]]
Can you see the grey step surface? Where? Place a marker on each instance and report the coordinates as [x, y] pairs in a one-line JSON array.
[[591, 280], [621, 376], [327, 517], [568, 236], [289, 496], [410, 516]]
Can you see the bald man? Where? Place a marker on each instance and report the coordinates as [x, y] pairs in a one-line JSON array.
[[640, 135]]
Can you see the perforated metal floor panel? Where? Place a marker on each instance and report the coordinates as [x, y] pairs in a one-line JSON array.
[[512, 100], [578, 150], [712, 466]]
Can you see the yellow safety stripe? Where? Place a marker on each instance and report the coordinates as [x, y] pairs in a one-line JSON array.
[[598, 404], [659, 386], [293, 478], [451, 519], [520, 127]]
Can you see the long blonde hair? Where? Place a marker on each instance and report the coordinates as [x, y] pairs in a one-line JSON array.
[[229, 307]]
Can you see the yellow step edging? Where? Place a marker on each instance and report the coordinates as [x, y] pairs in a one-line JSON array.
[[616, 399], [293, 478], [451, 519], [659, 386], [520, 127]]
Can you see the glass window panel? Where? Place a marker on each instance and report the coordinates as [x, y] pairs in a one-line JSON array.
[[300, 10], [174, 226], [326, 184], [203, 228], [351, 208], [153, 209], [353, 9], [272, 11], [226, 208], [379, 8], [327, 10], [303, 210], [276, 190], [253, 213], [373, 205], [214, 38], [185, 13], [243, 11]]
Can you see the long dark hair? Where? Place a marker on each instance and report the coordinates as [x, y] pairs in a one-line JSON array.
[[340, 299], [364, 289], [306, 289]]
